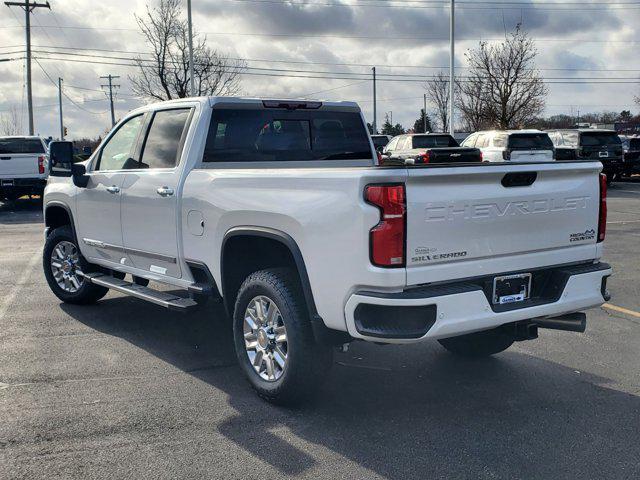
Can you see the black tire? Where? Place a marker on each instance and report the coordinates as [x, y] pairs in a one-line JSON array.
[[87, 292], [307, 362], [479, 344]]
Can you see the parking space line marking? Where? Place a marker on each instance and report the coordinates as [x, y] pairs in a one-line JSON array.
[[28, 271], [626, 191], [633, 313]]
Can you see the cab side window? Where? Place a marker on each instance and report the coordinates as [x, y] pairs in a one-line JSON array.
[[470, 141], [163, 145], [500, 141], [392, 144], [116, 153]]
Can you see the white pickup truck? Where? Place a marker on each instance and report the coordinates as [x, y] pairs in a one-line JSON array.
[[280, 210], [23, 167]]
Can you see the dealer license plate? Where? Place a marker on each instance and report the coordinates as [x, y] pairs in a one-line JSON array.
[[511, 288]]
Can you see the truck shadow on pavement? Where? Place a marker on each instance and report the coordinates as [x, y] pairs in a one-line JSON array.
[[23, 210], [401, 412]]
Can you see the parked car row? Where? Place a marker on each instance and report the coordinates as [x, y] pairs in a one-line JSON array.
[[619, 157]]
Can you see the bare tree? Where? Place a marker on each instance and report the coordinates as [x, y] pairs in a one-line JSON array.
[[437, 90], [166, 75], [10, 122], [504, 88], [472, 104]]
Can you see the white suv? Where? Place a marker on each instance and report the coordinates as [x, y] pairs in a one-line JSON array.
[[512, 145]]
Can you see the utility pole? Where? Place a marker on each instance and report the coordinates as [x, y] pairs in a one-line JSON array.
[[60, 108], [111, 86], [424, 112], [452, 25], [375, 112], [192, 88], [28, 8]]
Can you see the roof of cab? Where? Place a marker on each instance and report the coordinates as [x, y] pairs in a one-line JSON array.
[[258, 102], [242, 102], [511, 132]]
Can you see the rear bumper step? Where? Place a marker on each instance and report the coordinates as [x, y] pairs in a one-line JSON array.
[[164, 299]]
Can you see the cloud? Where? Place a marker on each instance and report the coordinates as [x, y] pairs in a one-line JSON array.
[[385, 37]]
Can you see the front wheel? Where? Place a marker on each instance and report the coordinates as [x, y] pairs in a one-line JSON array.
[[479, 344], [64, 267], [273, 338]]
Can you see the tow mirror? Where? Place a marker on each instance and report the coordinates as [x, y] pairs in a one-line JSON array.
[[61, 159]]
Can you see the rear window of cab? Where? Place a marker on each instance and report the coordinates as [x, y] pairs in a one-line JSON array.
[[259, 135], [530, 141], [21, 145]]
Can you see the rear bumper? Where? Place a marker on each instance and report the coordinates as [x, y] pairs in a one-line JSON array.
[[613, 166], [448, 310], [23, 186]]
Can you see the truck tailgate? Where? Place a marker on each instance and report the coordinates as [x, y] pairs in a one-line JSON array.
[[469, 221], [17, 165]]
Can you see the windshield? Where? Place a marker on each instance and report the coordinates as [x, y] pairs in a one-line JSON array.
[[434, 141], [282, 135], [599, 139], [21, 145], [530, 141]]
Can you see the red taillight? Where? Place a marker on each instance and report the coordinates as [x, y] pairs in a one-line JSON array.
[[481, 157], [41, 164], [423, 158], [387, 238], [602, 218], [379, 158]]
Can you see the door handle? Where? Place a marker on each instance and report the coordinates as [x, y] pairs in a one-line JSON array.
[[113, 189], [164, 191]]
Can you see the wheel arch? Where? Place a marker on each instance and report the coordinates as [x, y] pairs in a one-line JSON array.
[[58, 214], [282, 244]]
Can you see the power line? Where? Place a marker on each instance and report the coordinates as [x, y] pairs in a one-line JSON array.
[[303, 62], [64, 93], [365, 37], [387, 77]]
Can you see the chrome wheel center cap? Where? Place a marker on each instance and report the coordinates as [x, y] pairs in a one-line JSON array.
[[67, 266]]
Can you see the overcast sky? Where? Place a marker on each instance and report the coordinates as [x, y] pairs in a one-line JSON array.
[[580, 36]]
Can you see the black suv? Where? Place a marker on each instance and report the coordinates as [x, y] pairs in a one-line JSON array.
[[631, 147], [590, 144]]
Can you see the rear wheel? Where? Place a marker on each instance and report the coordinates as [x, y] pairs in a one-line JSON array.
[[479, 344], [64, 267], [273, 338]]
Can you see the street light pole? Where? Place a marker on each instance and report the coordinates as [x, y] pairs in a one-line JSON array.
[[424, 112], [192, 88], [375, 113], [451, 65], [60, 108]]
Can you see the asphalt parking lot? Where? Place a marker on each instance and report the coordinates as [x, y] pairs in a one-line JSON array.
[[125, 389]]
